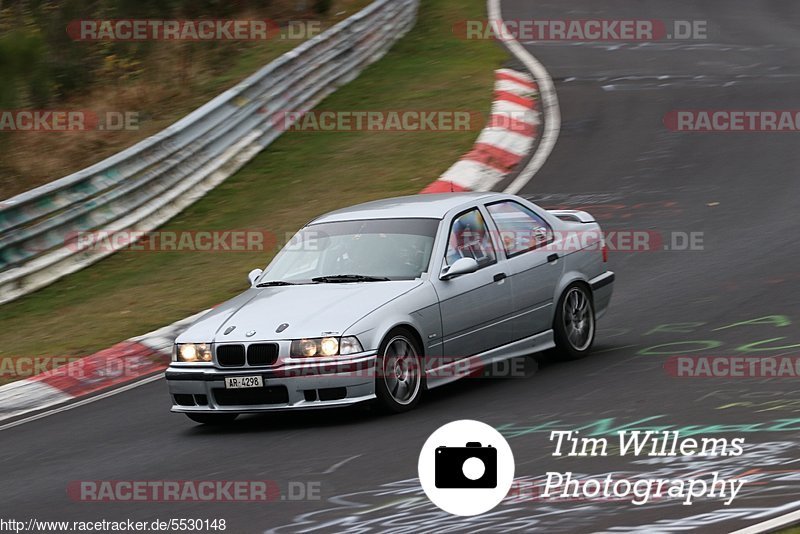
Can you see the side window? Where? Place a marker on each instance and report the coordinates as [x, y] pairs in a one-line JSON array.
[[520, 229], [469, 238]]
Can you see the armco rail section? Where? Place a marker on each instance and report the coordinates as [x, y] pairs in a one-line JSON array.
[[142, 187]]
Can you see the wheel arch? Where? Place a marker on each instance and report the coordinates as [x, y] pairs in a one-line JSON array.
[[569, 279], [410, 328]]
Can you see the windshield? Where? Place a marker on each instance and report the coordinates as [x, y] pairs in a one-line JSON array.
[[397, 249]]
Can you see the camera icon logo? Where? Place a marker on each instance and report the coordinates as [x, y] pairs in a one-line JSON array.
[[466, 468], [472, 466]]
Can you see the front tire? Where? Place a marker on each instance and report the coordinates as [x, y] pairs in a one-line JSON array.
[[574, 323], [399, 378], [213, 419]]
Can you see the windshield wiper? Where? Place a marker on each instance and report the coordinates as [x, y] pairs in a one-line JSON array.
[[343, 278], [275, 283]]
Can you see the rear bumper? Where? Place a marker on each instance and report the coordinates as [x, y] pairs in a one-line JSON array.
[[602, 289], [291, 387]]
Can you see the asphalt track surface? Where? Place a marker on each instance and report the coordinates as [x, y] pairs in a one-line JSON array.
[[616, 159]]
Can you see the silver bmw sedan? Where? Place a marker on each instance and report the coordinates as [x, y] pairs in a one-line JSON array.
[[382, 301]]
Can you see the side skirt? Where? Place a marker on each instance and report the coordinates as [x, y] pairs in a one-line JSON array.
[[452, 371]]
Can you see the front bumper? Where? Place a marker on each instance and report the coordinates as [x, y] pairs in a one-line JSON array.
[[295, 386]]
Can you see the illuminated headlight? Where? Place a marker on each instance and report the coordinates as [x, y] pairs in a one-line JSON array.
[[325, 347], [329, 346], [193, 352]]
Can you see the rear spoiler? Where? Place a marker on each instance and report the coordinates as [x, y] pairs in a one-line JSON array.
[[572, 215]]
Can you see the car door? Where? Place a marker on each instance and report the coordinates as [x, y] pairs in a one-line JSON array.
[[475, 307], [534, 265]]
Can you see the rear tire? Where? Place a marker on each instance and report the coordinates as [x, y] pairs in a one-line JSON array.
[[399, 377], [574, 324], [213, 419]]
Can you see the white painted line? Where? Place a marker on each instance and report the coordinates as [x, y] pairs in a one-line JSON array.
[[336, 466], [84, 401], [772, 524], [547, 90]]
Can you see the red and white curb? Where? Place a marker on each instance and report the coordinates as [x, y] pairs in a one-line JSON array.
[[506, 140], [124, 362]]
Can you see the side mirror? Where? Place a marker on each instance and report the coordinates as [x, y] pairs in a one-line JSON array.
[[461, 266], [253, 276]]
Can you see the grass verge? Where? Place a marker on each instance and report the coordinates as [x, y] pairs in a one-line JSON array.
[[159, 86], [300, 176]]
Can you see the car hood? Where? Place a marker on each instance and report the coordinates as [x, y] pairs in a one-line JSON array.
[[308, 310]]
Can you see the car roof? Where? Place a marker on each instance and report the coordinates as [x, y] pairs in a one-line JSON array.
[[429, 206]]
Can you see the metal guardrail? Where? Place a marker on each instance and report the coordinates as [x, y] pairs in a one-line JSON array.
[[145, 185]]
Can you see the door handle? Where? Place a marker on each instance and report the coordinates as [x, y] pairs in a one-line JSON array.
[[552, 258], [499, 277]]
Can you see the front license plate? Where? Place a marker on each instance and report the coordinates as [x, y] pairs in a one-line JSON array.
[[239, 382]]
